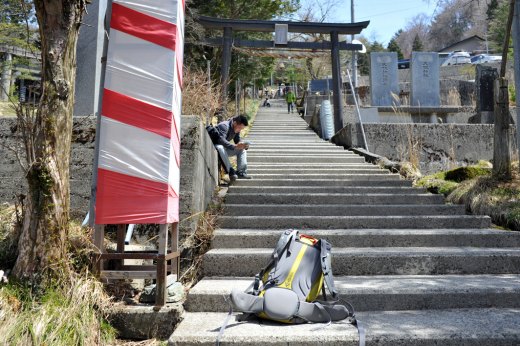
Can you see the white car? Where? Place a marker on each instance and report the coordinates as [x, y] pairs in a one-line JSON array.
[[485, 58], [457, 58]]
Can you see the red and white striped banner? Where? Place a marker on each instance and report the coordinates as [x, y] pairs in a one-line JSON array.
[[139, 134]]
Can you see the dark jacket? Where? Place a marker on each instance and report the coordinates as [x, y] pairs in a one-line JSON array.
[[225, 129]]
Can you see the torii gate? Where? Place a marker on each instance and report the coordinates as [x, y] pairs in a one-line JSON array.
[[281, 28]]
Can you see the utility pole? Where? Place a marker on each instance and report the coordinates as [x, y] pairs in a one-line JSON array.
[[516, 49], [354, 53]]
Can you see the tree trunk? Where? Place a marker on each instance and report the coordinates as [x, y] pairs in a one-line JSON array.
[[501, 145], [42, 243]]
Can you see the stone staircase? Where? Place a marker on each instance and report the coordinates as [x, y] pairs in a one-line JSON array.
[[418, 271]]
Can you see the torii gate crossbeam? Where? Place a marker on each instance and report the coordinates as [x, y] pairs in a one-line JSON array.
[[334, 29]]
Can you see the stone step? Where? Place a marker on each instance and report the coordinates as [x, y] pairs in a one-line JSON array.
[[325, 189], [386, 293], [385, 180], [339, 209], [378, 261], [453, 327], [332, 222], [260, 238], [332, 198], [304, 158]]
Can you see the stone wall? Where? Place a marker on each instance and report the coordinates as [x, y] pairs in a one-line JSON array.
[[198, 166]]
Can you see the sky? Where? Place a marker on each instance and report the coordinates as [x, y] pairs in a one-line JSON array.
[[386, 16]]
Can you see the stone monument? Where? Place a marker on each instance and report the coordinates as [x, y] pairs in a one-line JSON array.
[[485, 79], [425, 79], [384, 79]]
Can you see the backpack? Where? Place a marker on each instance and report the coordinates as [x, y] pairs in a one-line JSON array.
[[286, 290]]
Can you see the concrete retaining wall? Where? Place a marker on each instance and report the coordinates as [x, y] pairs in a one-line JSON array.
[[436, 146], [198, 166]]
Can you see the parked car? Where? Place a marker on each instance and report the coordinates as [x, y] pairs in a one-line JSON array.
[[485, 58], [404, 63], [457, 58]]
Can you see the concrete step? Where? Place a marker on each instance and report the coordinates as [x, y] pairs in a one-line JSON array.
[[332, 222], [381, 175], [453, 327], [332, 198], [254, 158], [295, 165], [294, 151], [339, 209], [325, 189], [367, 180], [472, 237], [316, 170], [378, 261], [275, 146], [386, 293]]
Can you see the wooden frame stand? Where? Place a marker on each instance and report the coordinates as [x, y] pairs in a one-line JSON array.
[[161, 257]]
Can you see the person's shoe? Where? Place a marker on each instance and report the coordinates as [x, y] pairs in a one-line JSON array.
[[232, 175], [243, 176]]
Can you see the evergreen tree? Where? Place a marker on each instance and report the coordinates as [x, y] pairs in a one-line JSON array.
[[417, 45], [393, 46], [491, 9], [497, 27]]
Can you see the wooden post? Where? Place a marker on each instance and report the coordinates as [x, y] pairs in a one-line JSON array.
[[99, 238], [501, 145], [160, 292], [120, 241], [174, 247], [336, 82]]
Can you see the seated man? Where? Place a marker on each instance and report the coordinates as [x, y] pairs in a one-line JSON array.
[[230, 130]]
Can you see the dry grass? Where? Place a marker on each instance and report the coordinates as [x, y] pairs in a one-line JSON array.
[[67, 313], [199, 97], [7, 109], [195, 246]]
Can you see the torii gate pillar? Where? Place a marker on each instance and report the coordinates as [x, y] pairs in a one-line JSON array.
[[226, 63], [336, 82]]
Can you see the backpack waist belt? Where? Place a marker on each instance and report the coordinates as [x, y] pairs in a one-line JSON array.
[[283, 304]]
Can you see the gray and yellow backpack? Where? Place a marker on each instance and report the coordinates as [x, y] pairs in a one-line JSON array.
[[286, 290]]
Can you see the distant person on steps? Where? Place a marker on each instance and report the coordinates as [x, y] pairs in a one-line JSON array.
[[290, 98]]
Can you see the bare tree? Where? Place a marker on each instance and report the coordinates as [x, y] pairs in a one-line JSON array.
[[417, 27], [41, 247], [316, 12]]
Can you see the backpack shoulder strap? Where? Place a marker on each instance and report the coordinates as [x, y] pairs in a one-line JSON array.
[[284, 243], [326, 267]]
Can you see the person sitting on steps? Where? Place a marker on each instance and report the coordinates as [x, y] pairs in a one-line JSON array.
[[230, 130]]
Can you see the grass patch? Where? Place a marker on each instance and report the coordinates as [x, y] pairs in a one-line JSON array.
[[488, 196], [446, 182]]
